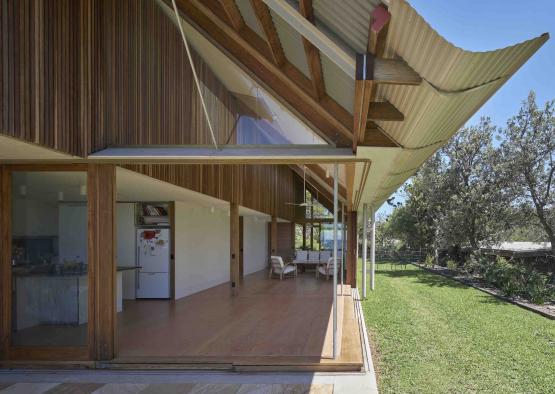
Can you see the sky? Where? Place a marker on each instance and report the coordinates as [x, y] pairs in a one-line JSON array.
[[482, 25]]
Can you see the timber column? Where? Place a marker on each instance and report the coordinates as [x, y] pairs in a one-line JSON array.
[[234, 247], [351, 274], [273, 239], [102, 246], [5, 262]]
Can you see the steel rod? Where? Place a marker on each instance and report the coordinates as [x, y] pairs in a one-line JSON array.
[[364, 247], [373, 251], [335, 206]]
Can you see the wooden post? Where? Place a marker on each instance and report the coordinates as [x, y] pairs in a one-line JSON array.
[[234, 247], [293, 237], [351, 249], [5, 263], [273, 242], [102, 246]]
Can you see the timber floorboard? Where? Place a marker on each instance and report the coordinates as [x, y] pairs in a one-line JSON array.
[[270, 325]]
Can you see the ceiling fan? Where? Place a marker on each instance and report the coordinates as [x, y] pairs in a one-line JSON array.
[[304, 203]]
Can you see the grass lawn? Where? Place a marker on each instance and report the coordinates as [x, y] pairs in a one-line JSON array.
[[431, 334]]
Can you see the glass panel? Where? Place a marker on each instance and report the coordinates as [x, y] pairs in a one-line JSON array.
[[326, 236], [259, 131], [49, 258]]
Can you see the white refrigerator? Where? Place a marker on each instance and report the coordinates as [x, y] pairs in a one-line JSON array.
[[153, 263]]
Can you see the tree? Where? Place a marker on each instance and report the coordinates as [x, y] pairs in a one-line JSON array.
[[476, 211], [455, 199], [529, 161]]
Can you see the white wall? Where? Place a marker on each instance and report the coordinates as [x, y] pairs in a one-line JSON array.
[[255, 245], [201, 248], [125, 239]]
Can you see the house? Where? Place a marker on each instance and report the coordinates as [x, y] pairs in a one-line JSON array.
[[154, 155], [532, 255]]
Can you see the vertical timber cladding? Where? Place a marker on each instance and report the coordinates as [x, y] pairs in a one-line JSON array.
[[79, 75], [149, 95], [47, 58], [264, 188], [102, 246]]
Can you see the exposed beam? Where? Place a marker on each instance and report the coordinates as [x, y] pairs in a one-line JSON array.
[[257, 154], [317, 182], [363, 93], [312, 53], [384, 110], [377, 32], [314, 186], [385, 71], [265, 20], [389, 71], [321, 174], [332, 122], [338, 55], [234, 16], [374, 136]]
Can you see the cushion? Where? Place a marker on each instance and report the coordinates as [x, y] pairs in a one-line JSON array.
[[313, 255], [325, 255], [301, 255], [288, 269]]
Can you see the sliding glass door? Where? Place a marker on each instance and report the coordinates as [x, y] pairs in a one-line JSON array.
[[49, 297]]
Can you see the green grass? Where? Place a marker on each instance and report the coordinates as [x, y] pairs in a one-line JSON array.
[[431, 334]]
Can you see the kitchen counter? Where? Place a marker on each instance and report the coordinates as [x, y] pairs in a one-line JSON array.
[[55, 298], [120, 268]]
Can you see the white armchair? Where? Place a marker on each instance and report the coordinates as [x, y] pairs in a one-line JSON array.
[[281, 269], [326, 269]]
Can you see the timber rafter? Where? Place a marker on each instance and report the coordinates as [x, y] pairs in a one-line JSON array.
[[255, 56], [222, 23]]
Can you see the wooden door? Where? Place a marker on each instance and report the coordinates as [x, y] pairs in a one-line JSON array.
[[241, 228]]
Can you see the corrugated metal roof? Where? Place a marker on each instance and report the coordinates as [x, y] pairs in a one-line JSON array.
[[249, 17], [294, 50], [348, 19], [456, 82]]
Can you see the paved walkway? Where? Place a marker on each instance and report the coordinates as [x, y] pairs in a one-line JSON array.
[[30, 382]]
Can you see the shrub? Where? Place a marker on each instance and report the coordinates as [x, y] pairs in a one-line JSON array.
[[504, 275], [452, 265], [535, 287], [476, 264], [429, 262]]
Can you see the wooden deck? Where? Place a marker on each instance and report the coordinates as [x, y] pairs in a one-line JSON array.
[[271, 325]]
